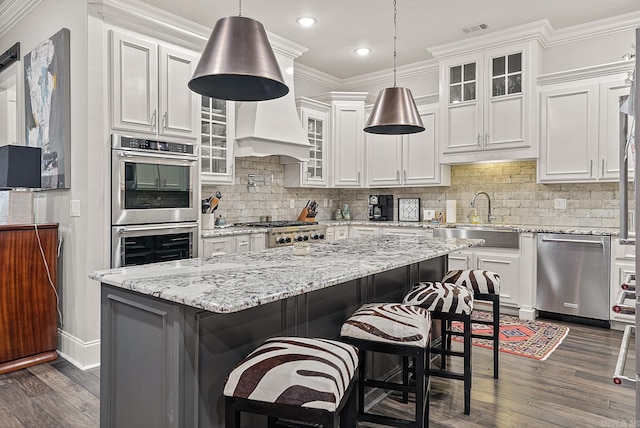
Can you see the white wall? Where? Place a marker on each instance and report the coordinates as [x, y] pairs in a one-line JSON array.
[[83, 243]]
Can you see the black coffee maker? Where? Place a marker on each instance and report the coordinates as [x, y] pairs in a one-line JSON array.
[[381, 207]]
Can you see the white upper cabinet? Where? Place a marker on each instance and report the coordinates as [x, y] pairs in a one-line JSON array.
[[149, 93], [347, 138], [407, 160], [217, 130], [488, 100], [314, 116], [580, 124]]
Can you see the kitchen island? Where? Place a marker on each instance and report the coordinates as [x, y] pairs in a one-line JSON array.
[[172, 331]]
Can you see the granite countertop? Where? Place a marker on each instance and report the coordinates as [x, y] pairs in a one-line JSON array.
[[605, 231], [230, 231], [233, 282]]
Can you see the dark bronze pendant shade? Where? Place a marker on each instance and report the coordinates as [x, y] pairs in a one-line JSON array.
[[238, 63], [395, 113]]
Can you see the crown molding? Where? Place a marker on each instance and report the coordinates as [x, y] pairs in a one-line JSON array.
[[305, 102], [383, 76], [312, 75], [539, 31], [135, 14], [386, 76], [341, 96], [12, 11], [595, 71], [427, 99], [599, 28]]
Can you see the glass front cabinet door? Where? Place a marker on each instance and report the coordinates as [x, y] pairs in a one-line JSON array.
[[487, 101], [216, 144], [314, 117]]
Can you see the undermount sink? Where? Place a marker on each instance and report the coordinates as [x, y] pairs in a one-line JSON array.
[[494, 236]]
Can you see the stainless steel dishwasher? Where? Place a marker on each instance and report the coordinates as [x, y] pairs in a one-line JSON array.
[[573, 276]]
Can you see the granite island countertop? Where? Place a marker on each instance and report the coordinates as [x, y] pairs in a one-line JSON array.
[[573, 230], [233, 282]]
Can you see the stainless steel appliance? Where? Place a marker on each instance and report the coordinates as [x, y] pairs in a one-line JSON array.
[[573, 277], [153, 181], [142, 244], [629, 130], [283, 233], [381, 207]]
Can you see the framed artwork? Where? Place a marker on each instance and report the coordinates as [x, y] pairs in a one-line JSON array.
[[47, 107], [408, 209]]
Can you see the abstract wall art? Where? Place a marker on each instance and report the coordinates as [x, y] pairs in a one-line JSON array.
[[47, 107]]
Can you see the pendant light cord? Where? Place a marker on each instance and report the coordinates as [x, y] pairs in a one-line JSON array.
[[239, 7], [395, 37]]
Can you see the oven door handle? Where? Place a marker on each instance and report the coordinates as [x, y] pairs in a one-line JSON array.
[[618, 377], [173, 157], [124, 229]]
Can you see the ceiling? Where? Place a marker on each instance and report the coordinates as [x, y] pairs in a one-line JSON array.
[[344, 25]]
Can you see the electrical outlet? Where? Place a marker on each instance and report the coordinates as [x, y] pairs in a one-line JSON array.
[[292, 203], [74, 208], [330, 202], [560, 204]]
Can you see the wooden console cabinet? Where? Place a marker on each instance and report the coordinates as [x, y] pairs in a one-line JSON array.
[[28, 316]]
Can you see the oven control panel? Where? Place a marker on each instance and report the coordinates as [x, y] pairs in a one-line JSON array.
[[131, 143]]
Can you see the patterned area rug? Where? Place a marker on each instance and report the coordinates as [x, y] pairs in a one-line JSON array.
[[530, 339]]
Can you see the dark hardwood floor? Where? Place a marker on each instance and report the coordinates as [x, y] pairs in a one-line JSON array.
[[572, 388]]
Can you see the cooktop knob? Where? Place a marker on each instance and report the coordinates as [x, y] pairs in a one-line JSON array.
[[299, 238], [305, 238], [321, 236], [281, 240], [287, 240]]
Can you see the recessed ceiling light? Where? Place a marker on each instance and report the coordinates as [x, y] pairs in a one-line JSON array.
[[306, 21], [363, 51]]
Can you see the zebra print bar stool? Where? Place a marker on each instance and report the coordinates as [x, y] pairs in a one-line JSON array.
[[392, 328], [448, 303], [486, 287], [299, 379]]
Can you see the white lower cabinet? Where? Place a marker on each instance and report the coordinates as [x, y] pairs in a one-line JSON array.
[[232, 244], [357, 231], [622, 264], [505, 263], [407, 231]]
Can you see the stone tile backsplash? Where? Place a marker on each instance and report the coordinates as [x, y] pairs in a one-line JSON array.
[[516, 198]]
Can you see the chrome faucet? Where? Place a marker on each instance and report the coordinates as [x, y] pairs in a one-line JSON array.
[[473, 203]]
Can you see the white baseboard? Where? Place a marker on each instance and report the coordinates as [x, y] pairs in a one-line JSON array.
[[527, 314], [84, 355]]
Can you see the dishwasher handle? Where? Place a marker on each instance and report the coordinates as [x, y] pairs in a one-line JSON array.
[[618, 377], [571, 241]]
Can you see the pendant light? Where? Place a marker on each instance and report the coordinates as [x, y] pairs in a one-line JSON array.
[[238, 63], [394, 111]]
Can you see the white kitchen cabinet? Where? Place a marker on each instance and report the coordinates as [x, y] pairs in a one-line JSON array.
[[611, 96], [622, 264], [488, 104], [504, 262], [335, 233], [407, 231], [218, 245], [314, 116], [233, 244], [347, 138], [358, 231], [580, 124], [407, 160], [217, 133], [149, 93], [569, 134]]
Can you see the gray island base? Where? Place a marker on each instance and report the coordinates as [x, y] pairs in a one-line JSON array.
[[171, 332]]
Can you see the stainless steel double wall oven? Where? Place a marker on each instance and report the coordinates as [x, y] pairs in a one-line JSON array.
[[154, 200]]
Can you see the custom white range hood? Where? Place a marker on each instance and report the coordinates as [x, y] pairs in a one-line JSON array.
[[268, 128]]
